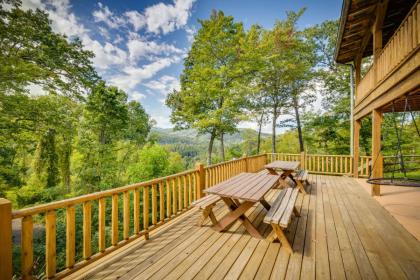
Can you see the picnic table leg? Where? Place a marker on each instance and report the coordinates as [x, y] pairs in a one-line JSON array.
[[265, 204], [282, 238], [237, 212], [207, 213], [301, 187]]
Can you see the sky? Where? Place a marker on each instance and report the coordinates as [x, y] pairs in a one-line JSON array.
[[139, 46]]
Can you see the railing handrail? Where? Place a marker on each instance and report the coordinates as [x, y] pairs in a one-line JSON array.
[[92, 196]]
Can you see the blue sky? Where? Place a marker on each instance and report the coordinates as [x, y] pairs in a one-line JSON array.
[[140, 45]]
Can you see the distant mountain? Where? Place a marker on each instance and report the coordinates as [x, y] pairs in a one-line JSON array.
[[168, 136]]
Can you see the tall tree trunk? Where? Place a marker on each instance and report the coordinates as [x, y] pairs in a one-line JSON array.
[[299, 127], [273, 136], [222, 146], [210, 148], [259, 133]]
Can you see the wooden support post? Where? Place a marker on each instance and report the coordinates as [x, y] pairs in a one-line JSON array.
[[245, 157], [376, 150], [356, 147], [6, 239], [201, 180], [302, 160]]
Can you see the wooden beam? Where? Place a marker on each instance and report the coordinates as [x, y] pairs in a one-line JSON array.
[[377, 160], [357, 71]]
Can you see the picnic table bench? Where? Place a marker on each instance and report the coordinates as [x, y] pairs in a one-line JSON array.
[[206, 204], [280, 214]]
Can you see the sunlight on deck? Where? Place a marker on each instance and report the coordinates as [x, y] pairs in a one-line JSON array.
[[342, 233]]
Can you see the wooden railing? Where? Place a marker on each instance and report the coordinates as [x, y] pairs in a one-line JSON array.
[[217, 173], [127, 213], [325, 164], [404, 42]]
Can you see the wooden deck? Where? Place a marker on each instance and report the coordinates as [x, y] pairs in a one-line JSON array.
[[342, 233]]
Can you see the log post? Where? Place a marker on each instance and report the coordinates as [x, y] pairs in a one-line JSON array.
[[6, 270], [356, 147], [376, 150], [201, 180]]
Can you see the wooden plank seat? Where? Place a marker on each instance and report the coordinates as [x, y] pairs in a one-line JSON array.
[[280, 214], [205, 204], [301, 178]]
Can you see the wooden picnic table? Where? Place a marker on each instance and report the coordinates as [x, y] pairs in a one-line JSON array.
[[288, 167], [240, 193]]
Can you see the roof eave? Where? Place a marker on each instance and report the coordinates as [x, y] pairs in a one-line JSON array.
[[343, 18]]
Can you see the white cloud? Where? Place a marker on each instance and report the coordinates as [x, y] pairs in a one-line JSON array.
[[103, 14], [164, 85], [136, 19], [165, 18], [191, 31], [138, 48], [137, 96], [131, 76]]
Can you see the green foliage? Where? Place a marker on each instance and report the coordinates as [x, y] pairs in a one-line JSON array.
[[154, 161], [31, 53]]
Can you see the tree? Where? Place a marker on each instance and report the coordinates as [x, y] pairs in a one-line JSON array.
[[106, 112], [139, 123], [276, 75], [154, 161], [214, 66], [31, 53], [331, 127]]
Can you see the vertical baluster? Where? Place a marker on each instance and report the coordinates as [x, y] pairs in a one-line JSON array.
[[146, 211], [185, 189], [27, 247], [87, 230], [114, 220], [50, 243], [101, 224], [168, 199], [341, 164], [70, 236], [179, 188], [174, 196], [154, 204], [161, 202], [126, 215], [136, 205], [189, 189]]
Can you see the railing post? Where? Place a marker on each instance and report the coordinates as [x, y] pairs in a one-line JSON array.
[[245, 157], [6, 239], [302, 160], [201, 180]]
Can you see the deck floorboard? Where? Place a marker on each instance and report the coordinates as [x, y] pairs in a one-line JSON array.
[[342, 234]]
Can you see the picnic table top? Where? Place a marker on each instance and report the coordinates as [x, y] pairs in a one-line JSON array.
[[245, 186], [284, 165]]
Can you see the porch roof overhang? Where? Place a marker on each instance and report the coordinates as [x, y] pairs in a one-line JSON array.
[[356, 20]]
